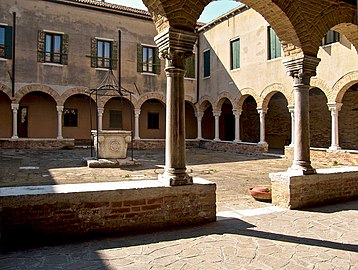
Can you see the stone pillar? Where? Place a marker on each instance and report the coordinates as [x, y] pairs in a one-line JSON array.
[[199, 117], [262, 112], [334, 108], [217, 125], [291, 109], [175, 46], [15, 108], [301, 70], [59, 122], [100, 118], [136, 124], [237, 114]]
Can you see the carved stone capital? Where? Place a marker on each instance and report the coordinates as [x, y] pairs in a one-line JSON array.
[[302, 69], [175, 46]]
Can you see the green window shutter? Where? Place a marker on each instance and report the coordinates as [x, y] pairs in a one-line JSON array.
[[207, 63], [157, 67], [139, 58], [278, 46], [235, 54], [93, 52], [41, 46], [8, 42], [64, 49], [274, 44], [114, 56], [190, 67]]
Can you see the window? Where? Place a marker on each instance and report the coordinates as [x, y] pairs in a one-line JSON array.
[[148, 59], [274, 45], [5, 42], [70, 117], [153, 120], [331, 37], [207, 63], [190, 67], [53, 43], [52, 48], [104, 53], [235, 53], [115, 119]]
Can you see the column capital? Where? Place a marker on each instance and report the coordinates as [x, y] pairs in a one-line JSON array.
[[291, 108], [137, 112], [59, 108], [15, 106], [237, 112], [175, 45], [334, 106], [302, 69], [216, 113], [261, 110], [199, 114], [100, 110]]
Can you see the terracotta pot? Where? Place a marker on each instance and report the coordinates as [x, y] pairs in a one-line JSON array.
[[261, 193]]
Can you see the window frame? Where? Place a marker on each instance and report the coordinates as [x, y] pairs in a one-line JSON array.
[[193, 68], [71, 123], [153, 124], [52, 52], [273, 53], [207, 65], [145, 62], [326, 39], [103, 59], [7, 45], [3, 46], [233, 41]]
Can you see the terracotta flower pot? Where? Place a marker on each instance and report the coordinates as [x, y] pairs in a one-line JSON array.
[[261, 193]]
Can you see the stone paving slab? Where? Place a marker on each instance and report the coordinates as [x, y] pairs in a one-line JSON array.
[[317, 238]]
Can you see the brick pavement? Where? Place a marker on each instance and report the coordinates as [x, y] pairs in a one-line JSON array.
[[247, 235]]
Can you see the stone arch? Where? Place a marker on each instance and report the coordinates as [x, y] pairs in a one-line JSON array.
[[103, 101], [74, 91], [342, 85], [319, 83], [239, 101], [203, 101], [271, 90], [220, 100], [40, 88], [4, 88], [145, 97]]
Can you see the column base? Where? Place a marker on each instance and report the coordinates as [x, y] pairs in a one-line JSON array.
[[334, 147], [301, 168], [59, 138], [136, 138], [237, 141], [14, 137], [175, 178], [217, 140]]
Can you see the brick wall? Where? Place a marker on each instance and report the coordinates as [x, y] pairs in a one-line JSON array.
[[242, 148], [41, 212], [348, 120], [37, 143], [328, 185]]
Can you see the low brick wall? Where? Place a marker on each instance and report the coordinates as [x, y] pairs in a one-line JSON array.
[[332, 157], [241, 147], [60, 211], [159, 144], [38, 143], [328, 185]]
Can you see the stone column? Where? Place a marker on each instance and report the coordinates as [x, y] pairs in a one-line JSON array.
[[175, 46], [199, 117], [15, 108], [291, 109], [136, 124], [100, 118], [237, 114], [262, 112], [334, 108], [59, 122], [217, 125], [301, 70]]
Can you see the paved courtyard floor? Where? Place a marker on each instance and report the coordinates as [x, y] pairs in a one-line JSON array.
[[248, 234]]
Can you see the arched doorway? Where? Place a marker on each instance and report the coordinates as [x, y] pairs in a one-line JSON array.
[[208, 122], [37, 116], [5, 116], [278, 123], [118, 114], [227, 122], [191, 130], [249, 121], [152, 120], [76, 118], [320, 119], [348, 119]]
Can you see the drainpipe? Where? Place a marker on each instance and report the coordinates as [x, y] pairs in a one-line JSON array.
[[13, 54], [119, 58], [197, 69]]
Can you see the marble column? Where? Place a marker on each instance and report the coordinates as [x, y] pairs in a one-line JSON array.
[[217, 125], [301, 70], [100, 112], [334, 108], [15, 108], [175, 46], [136, 124], [262, 113], [291, 109], [199, 117], [237, 114], [59, 122]]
